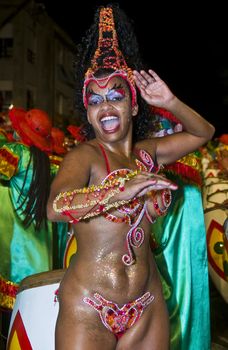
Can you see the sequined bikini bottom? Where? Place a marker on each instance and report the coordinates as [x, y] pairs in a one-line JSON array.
[[116, 319]]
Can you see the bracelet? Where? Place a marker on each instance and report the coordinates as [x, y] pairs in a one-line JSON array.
[[117, 204], [96, 212], [69, 195], [95, 190], [90, 203]]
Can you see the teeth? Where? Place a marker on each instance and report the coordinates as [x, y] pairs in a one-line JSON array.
[[110, 117]]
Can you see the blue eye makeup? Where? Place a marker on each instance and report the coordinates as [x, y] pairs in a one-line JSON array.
[[114, 94], [94, 99]]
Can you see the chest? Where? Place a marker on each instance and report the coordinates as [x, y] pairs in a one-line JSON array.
[[109, 163]]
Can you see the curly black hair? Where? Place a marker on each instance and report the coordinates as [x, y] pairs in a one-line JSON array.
[[129, 46]]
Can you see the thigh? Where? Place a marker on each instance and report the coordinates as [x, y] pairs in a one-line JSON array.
[[151, 331], [80, 330]]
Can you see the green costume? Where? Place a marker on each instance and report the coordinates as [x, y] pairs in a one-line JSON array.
[[180, 248], [181, 256], [23, 251]]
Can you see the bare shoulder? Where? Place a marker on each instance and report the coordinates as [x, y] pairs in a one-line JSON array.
[[76, 167], [86, 148]]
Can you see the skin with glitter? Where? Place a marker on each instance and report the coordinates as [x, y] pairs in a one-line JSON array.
[[111, 295]]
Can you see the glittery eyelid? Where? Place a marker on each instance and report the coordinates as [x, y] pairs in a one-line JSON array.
[[115, 93], [94, 98]]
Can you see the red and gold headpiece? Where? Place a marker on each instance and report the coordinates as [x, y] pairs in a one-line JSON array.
[[108, 56]]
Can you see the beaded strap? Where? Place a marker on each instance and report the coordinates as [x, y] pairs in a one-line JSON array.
[[94, 212], [100, 197]]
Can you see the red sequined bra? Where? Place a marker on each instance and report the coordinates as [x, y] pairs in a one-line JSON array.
[[133, 212]]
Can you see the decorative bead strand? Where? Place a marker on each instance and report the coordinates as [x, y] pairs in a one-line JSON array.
[[166, 198], [100, 198]]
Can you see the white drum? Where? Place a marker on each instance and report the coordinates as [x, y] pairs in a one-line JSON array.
[[34, 315]]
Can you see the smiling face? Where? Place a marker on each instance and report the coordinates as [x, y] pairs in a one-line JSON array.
[[110, 108]]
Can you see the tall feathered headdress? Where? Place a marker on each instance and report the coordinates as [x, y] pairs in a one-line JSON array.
[[108, 55]]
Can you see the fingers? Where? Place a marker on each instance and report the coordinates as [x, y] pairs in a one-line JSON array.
[[159, 184], [154, 75], [145, 182], [155, 182], [140, 81], [148, 78], [144, 79]]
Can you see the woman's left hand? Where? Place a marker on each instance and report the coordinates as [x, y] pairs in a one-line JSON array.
[[153, 89]]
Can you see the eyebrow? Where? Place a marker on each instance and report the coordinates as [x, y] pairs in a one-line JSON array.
[[114, 87]]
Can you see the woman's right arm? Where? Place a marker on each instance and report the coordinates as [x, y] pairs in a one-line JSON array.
[[74, 172]]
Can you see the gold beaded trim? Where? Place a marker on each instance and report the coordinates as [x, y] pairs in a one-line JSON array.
[[92, 189]]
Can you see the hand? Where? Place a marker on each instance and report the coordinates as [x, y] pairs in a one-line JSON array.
[[143, 183], [153, 89]]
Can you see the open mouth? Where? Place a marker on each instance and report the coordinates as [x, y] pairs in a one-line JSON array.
[[110, 123]]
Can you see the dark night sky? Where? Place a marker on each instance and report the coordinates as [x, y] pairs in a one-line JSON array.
[[185, 45]]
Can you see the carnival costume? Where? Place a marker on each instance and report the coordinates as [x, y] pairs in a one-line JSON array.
[[180, 249], [114, 318], [24, 250], [97, 198]]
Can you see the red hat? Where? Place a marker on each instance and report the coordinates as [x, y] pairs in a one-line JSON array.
[[58, 138], [33, 127], [76, 132], [224, 139]]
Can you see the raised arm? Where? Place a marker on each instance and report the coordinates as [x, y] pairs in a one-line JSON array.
[[196, 130]]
